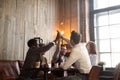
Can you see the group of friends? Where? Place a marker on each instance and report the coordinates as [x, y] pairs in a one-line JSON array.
[[78, 58]]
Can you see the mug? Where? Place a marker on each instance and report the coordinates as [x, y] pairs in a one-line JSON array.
[[37, 64]]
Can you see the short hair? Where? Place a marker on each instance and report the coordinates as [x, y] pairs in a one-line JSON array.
[[75, 37], [31, 42]]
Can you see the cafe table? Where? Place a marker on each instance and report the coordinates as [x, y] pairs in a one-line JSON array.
[[57, 72]]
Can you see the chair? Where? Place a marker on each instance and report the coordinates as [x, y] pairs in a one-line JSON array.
[[117, 72], [94, 73]]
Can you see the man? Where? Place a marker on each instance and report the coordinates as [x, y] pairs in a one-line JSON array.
[[59, 55], [33, 56], [78, 56]]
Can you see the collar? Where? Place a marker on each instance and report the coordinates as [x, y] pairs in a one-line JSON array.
[[77, 45]]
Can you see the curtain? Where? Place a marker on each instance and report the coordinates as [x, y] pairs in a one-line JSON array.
[[84, 19]]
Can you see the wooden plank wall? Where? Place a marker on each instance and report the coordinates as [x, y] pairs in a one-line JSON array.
[[75, 16], [21, 20], [69, 16]]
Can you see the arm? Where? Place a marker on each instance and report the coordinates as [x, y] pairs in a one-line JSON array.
[[48, 46], [46, 64], [57, 52], [71, 59], [67, 40]]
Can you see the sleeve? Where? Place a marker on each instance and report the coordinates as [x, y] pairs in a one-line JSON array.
[[67, 40], [46, 64], [71, 59], [47, 47], [56, 53]]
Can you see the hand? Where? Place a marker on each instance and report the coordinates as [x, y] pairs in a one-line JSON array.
[[61, 37], [57, 37]]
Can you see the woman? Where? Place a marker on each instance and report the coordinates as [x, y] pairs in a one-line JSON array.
[[91, 47]]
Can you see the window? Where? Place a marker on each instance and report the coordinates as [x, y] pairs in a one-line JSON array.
[[106, 23], [99, 4]]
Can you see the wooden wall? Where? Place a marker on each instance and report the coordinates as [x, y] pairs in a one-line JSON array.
[[69, 16], [75, 16], [21, 20]]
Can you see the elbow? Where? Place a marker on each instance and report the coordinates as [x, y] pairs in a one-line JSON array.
[[64, 67]]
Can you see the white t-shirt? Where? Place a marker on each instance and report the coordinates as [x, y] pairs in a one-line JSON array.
[[80, 57], [93, 59]]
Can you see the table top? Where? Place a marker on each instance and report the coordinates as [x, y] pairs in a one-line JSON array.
[[52, 69]]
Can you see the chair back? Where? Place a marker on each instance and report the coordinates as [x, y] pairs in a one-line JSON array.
[[117, 72], [94, 73]]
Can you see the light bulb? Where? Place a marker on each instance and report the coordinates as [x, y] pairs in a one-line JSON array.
[[62, 32]]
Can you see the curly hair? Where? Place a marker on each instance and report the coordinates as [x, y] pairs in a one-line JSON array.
[[32, 42]]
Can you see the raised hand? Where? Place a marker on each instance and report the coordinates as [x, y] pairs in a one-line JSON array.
[[57, 37]]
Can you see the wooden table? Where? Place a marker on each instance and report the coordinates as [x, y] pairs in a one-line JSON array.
[[57, 72]]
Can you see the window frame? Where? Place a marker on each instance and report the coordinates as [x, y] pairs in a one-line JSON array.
[[92, 12], [91, 22]]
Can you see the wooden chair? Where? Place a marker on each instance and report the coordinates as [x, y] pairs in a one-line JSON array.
[[94, 73], [117, 72]]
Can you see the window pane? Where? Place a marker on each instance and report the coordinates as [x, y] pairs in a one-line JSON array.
[[114, 17], [103, 32], [114, 2], [101, 19], [115, 31], [106, 58], [115, 45], [104, 45], [107, 30], [95, 33], [95, 20], [115, 59], [100, 4]]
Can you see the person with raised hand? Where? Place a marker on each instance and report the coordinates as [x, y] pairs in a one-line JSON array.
[[33, 56]]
